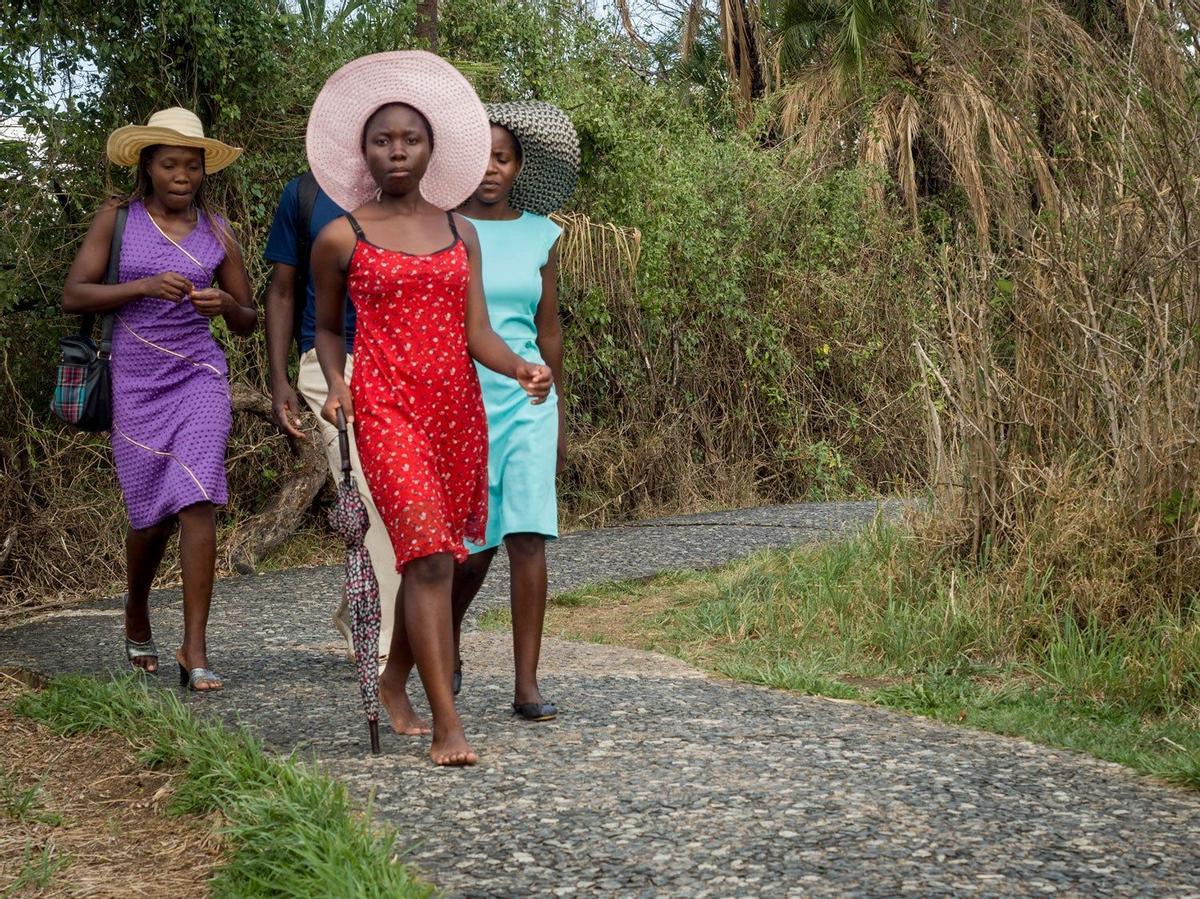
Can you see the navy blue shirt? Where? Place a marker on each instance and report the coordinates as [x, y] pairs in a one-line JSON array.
[[282, 247]]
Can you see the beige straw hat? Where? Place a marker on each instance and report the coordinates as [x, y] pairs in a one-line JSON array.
[[174, 127]]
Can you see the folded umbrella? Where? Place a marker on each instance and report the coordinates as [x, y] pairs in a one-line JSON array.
[[350, 521]]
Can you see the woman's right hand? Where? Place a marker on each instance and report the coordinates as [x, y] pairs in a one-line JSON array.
[[339, 398], [170, 286], [285, 407], [535, 380]]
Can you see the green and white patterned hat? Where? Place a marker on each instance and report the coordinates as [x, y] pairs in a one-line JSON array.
[[549, 153]]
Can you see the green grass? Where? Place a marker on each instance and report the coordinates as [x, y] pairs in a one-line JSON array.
[[495, 619], [24, 805], [38, 868], [873, 619], [291, 832]]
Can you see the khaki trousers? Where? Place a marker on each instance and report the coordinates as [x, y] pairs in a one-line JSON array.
[[312, 386]]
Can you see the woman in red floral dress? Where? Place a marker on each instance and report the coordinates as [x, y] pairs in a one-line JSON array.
[[413, 273]]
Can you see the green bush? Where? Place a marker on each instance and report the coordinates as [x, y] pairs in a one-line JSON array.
[[761, 351]]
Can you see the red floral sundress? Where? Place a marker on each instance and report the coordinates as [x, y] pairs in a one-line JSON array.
[[419, 420]]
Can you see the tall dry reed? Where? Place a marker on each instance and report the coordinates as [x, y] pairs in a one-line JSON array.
[[1068, 362]]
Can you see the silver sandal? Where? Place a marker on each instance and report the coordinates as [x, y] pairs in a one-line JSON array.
[[136, 650], [147, 650], [188, 678]]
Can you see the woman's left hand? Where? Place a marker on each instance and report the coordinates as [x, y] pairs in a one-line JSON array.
[[535, 380], [210, 302]]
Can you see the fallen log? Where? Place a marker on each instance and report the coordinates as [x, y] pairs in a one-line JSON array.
[[263, 532], [13, 503]]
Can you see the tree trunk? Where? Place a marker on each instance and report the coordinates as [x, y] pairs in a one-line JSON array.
[[260, 534], [742, 58], [427, 24], [627, 21]]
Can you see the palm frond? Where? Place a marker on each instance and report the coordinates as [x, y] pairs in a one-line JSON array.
[[690, 30], [864, 22], [908, 127], [817, 114], [348, 9], [852, 27], [598, 255], [800, 25]]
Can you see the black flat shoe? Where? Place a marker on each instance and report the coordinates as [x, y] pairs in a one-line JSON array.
[[536, 711]]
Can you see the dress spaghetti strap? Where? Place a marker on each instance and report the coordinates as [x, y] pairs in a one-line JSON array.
[[361, 236]]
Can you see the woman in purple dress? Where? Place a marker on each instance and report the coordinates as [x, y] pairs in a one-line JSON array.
[[179, 268]]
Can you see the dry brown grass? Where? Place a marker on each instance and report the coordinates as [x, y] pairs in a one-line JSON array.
[[1070, 370], [598, 255], [113, 834], [611, 616], [1062, 383], [1004, 102]]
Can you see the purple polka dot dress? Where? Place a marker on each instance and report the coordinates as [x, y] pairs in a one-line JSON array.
[[170, 390]]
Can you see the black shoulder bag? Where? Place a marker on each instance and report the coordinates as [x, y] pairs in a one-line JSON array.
[[83, 389]]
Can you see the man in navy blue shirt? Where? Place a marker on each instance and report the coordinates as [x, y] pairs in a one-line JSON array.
[[304, 209]]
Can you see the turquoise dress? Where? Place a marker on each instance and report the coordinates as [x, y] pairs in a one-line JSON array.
[[522, 437]]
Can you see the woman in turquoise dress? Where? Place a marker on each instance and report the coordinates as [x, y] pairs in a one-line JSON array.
[[532, 172]]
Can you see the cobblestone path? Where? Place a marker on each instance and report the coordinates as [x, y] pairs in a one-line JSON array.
[[657, 780]]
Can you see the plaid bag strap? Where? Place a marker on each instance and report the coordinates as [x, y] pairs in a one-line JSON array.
[[112, 275]]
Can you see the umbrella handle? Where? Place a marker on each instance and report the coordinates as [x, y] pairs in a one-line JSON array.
[[343, 443]]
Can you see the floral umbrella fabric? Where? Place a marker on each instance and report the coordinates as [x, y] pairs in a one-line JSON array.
[[349, 520]]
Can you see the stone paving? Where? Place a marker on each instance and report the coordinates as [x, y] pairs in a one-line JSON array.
[[657, 780]]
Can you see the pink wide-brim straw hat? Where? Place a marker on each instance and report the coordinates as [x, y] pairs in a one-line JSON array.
[[462, 139]]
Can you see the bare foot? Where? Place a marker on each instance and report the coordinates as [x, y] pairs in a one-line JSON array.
[[402, 715], [452, 749]]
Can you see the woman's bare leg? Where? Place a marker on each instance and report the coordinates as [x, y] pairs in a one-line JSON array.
[[527, 567], [393, 682], [198, 555], [427, 585], [144, 550], [468, 578]]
